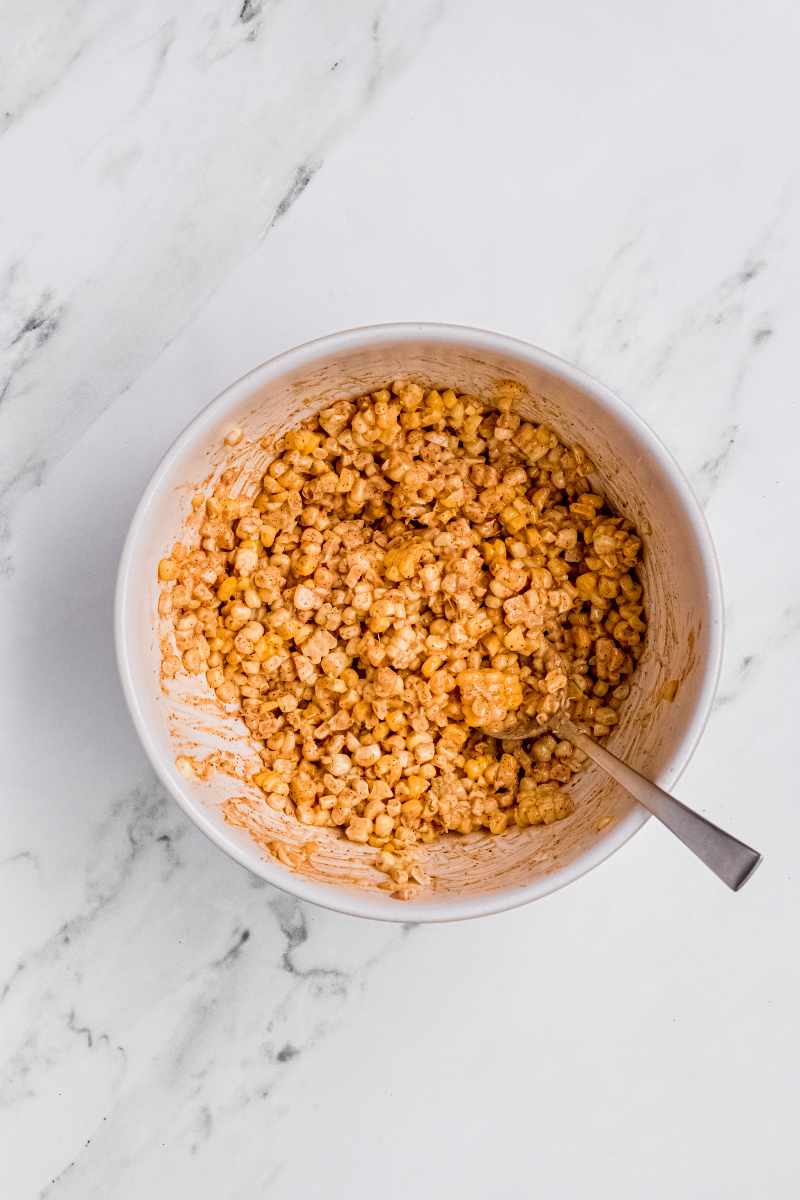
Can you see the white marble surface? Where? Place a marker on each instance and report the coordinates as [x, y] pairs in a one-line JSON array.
[[187, 189]]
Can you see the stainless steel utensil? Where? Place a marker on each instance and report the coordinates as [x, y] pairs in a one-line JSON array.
[[727, 857]]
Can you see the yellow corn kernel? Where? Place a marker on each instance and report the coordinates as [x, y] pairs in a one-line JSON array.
[[513, 519], [402, 562], [456, 735], [499, 551], [267, 646], [167, 570], [384, 824], [514, 640], [305, 564], [432, 663], [416, 785], [246, 557], [586, 584], [271, 781], [228, 588], [498, 822], [303, 440], [475, 767]]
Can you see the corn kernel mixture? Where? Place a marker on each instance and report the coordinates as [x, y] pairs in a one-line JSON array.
[[415, 567]]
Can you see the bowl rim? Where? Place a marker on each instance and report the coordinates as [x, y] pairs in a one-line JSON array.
[[365, 903]]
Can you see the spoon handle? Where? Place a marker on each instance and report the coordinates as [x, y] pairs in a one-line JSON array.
[[730, 859]]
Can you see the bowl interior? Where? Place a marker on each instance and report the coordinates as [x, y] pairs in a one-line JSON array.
[[477, 873]]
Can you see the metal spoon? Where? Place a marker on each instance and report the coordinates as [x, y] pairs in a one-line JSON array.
[[730, 859]]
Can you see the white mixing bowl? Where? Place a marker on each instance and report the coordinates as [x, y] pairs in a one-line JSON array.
[[477, 874]]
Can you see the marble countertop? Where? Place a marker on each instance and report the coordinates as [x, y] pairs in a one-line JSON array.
[[188, 189]]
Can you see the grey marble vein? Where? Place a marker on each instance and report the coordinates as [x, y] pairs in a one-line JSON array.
[[711, 470], [34, 332], [135, 821], [302, 178], [250, 10], [203, 227], [750, 665], [23, 856]]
